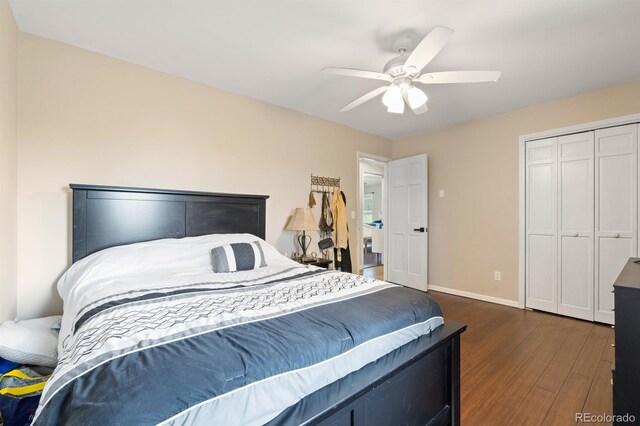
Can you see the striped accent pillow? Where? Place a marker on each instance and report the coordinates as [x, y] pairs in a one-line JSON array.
[[237, 257]]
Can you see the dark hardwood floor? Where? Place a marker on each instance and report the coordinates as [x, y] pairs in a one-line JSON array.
[[523, 367], [529, 368]]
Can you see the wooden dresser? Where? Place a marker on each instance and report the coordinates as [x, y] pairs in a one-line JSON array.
[[626, 369]]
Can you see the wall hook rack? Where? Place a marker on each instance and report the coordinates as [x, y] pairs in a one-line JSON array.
[[324, 184]]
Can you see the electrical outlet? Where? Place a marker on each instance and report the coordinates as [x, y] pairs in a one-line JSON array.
[[497, 276]]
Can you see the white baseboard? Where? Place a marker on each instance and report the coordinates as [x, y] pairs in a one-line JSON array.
[[499, 301]]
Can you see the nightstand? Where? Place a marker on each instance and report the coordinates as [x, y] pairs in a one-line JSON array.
[[317, 261]]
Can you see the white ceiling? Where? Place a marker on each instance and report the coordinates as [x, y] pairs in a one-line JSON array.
[[273, 50]]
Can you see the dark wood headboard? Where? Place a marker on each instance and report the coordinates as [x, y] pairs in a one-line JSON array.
[[107, 216]]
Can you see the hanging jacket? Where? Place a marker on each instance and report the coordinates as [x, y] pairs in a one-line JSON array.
[[326, 219], [339, 211], [343, 255]]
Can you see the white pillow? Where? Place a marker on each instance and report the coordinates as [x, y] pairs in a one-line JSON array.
[[32, 342], [171, 254]]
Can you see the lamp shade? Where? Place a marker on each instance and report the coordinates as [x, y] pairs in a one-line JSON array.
[[302, 220]]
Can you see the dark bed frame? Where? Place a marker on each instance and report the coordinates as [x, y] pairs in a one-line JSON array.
[[418, 383]]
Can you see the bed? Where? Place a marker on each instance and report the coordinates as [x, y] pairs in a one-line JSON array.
[[151, 335]]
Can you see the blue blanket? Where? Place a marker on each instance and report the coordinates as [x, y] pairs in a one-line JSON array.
[[180, 376]]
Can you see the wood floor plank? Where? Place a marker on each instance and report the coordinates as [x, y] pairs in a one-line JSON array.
[[523, 367], [486, 319], [518, 382], [569, 401], [559, 368], [498, 344], [599, 399], [454, 308], [533, 409], [591, 354], [489, 385]]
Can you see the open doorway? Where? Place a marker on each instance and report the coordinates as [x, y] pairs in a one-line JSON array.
[[372, 216]]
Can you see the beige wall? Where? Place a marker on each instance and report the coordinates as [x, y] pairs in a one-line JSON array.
[[8, 147], [473, 230], [87, 118]]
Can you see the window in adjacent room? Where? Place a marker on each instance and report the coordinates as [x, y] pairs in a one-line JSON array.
[[367, 208]]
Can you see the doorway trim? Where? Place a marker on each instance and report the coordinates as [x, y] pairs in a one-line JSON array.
[[360, 156]]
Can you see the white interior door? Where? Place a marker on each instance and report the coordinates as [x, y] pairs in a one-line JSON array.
[[541, 225], [616, 212], [575, 225], [407, 224]]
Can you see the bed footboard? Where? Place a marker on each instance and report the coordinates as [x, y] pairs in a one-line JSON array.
[[417, 384]]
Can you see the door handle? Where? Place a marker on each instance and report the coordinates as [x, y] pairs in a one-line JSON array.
[[617, 236], [421, 229]]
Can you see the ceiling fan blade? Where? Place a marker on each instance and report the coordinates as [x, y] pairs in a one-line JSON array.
[[405, 95], [447, 77], [365, 98], [357, 73], [427, 49]]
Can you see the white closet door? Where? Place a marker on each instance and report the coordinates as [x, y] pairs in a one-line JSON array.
[[541, 218], [575, 225], [616, 212]]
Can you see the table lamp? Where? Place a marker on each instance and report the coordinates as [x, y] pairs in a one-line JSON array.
[[303, 220]]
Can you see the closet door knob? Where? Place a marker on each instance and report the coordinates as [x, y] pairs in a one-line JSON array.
[[617, 235], [575, 235]]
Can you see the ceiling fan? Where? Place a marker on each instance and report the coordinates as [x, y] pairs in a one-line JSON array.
[[404, 70]]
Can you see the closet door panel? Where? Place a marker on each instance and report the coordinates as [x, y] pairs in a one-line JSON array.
[[616, 212], [576, 277], [613, 255], [575, 225], [541, 217], [576, 195], [541, 283], [616, 181], [542, 205]]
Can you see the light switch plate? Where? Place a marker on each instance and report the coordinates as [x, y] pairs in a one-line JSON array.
[[353, 214], [441, 193]]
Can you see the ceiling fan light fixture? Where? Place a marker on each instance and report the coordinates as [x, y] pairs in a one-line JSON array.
[[396, 109], [392, 99], [417, 98], [402, 71]]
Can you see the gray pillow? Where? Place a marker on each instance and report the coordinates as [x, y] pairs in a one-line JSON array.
[[237, 257]]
